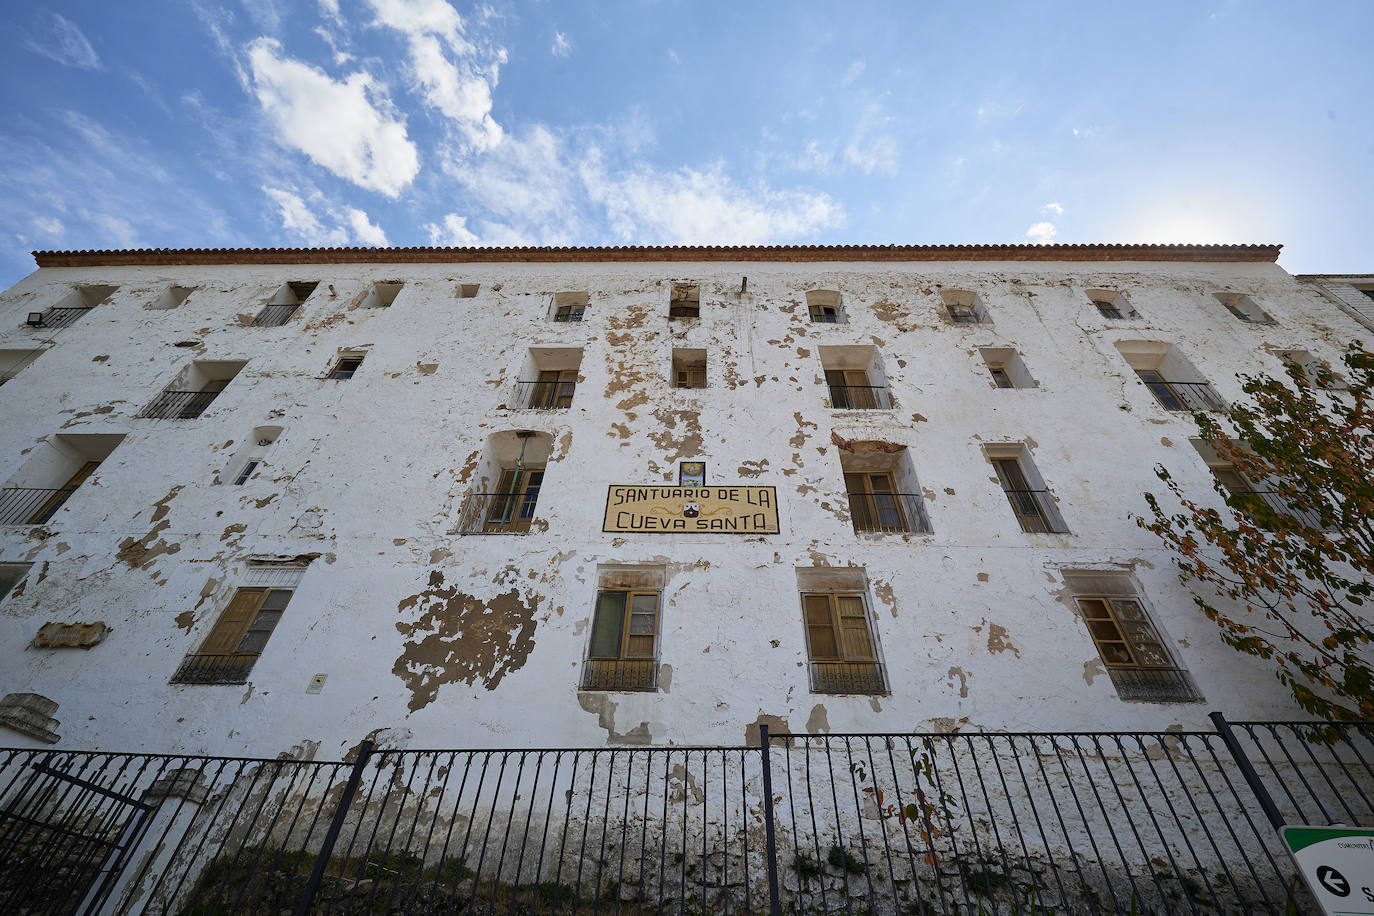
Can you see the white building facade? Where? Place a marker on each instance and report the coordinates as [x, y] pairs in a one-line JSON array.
[[259, 500]]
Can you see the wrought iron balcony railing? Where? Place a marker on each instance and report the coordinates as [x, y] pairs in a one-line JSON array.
[[1160, 685], [543, 395], [1036, 511], [30, 505], [620, 674], [209, 668], [179, 405], [860, 397], [1189, 396], [847, 677], [62, 317], [497, 513], [273, 316], [888, 513]]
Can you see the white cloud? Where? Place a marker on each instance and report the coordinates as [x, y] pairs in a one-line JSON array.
[[1041, 233], [855, 70], [1052, 210], [704, 207], [330, 8], [453, 231], [443, 64], [868, 150], [812, 159], [561, 46], [340, 56], [48, 225], [672, 55], [303, 220], [336, 124], [364, 230], [61, 40]]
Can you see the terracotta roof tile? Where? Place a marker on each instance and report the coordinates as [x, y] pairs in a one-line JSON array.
[[632, 253]]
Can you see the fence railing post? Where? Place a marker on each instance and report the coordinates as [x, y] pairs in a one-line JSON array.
[[331, 837], [1247, 769], [770, 840]]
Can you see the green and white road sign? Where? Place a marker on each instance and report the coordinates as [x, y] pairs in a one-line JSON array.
[[1338, 865]]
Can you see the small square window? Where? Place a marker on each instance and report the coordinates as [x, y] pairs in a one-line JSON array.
[[823, 306], [689, 368], [1111, 304], [11, 574], [248, 468], [346, 366], [468, 290], [684, 302], [569, 306], [1244, 308], [964, 307], [382, 295]]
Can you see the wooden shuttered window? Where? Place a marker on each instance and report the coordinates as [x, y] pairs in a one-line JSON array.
[[624, 643], [1124, 635], [228, 653], [840, 644]]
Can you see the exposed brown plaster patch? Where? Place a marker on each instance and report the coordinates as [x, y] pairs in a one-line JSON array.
[[884, 592], [141, 553], [817, 723], [799, 438], [998, 640], [982, 577], [1166, 442], [96, 411], [604, 707], [469, 466], [621, 429], [185, 620], [398, 542], [917, 418], [949, 491], [947, 725], [963, 680], [802, 352], [426, 368], [438, 555], [231, 530], [752, 468], [677, 446], [665, 677], [461, 638], [262, 501], [776, 726], [864, 446], [104, 357]]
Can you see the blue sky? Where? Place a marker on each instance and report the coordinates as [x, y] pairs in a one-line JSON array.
[[245, 123]]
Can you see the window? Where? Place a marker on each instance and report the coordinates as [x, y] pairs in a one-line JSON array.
[[1006, 368], [468, 290], [381, 295], [193, 390], [548, 379], [623, 653], [284, 303], [1031, 503], [347, 365], [855, 378], [1112, 304], [56, 468], [1136, 658], [72, 307], [1170, 377], [240, 634], [569, 306], [964, 307], [170, 298], [1261, 504], [250, 457], [12, 361], [248, 468], [689, 368], [823, 305], [839, 644], [506, 493], [880, 484], [684, 301], [1317, 371], [511, 508], [11, 574], [1243, 307]]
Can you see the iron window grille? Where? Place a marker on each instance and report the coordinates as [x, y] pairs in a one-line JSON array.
[[840, 647], [1182, 396], [60, 317], [552, 390], [510, 510], [273, 316], [850, 390], [1137, 661], [31, 505], [179, 405], [875, 507], [567, 313]]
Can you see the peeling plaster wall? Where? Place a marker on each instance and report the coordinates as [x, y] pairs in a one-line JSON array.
[[478, 641]]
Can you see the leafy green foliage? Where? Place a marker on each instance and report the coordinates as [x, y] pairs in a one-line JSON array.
[[1286, 573]]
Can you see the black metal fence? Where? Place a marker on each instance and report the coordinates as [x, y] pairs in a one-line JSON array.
[[1187, 396], [544, 395], [272, 316], [860, 397], [62, 317], [1139, 822]]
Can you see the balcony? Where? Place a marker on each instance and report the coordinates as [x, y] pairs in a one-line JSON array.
[[847, 677], [205, 668], [1159, 685], [273, 316], [1189, 396], [860, 397], [496, 513], [62, 317], [620, 674], [31, 506], [179, 405], [544, 395], [1035, 511], [888, 513]]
